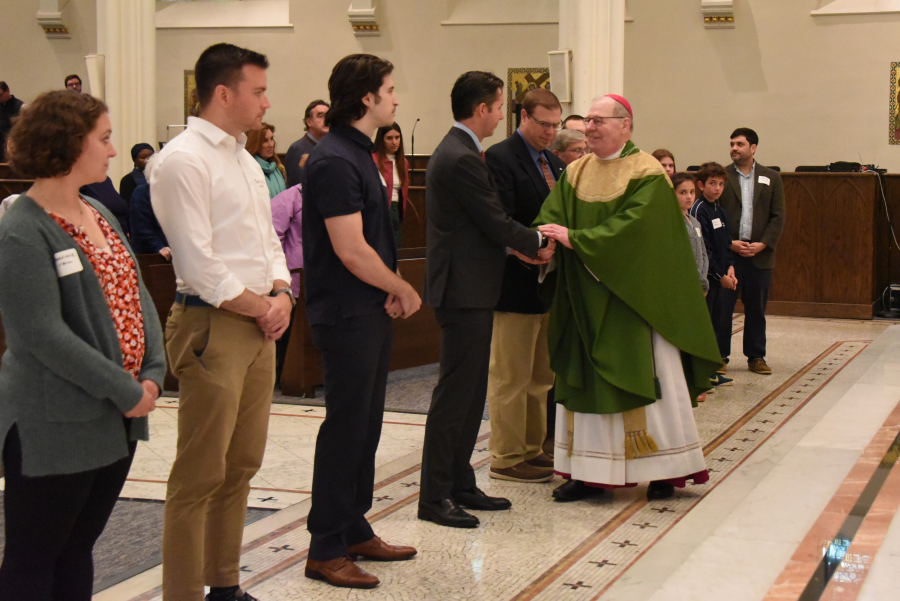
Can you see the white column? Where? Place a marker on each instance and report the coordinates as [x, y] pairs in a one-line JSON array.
[[126, 37], [594, 30]]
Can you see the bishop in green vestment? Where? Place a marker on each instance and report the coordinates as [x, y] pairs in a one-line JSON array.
[[630, 337]]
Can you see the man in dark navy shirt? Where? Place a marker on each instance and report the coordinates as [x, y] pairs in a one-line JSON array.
[[352, 292]]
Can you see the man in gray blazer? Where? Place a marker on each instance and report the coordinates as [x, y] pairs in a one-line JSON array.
[[753, 200], [468, 235], [298, 152]]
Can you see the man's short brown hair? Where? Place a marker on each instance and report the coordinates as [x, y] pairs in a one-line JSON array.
[[540, 97], [48, 137], [711, 169]]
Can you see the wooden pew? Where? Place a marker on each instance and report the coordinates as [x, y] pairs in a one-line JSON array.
[[416, 340]]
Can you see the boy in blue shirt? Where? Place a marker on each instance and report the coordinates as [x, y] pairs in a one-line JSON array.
[[711, 181]]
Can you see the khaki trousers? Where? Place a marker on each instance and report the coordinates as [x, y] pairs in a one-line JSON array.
[[518, 382], [226, 373]]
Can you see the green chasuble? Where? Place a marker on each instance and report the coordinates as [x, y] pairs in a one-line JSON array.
[[631, 271]]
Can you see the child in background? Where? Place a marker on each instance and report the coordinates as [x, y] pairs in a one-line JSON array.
[[685, 191], [706, 210]]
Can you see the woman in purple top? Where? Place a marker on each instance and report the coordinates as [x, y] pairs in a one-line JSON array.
[[286, 217]]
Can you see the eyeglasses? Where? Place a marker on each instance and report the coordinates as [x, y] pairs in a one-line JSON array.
[[555, 126], [598, 121], [576, 151]]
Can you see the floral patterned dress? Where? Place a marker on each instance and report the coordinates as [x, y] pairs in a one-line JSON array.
[[119, 279]]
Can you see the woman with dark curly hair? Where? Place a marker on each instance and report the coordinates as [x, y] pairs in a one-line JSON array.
[[85, 358], [261, 144]]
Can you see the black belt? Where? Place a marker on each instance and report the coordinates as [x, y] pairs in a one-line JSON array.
[[190, 301]]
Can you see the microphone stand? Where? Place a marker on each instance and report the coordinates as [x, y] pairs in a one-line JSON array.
[[413, 138]]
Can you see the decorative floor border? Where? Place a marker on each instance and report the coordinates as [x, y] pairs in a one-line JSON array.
[[596, 562], [825, 537]]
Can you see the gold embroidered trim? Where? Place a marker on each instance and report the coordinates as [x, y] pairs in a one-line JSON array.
[[596, 180], [638, 441]]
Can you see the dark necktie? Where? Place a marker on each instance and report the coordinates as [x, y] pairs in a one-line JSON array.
[[545, 169]]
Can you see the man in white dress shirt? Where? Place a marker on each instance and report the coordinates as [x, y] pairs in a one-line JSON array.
[[234, 300]]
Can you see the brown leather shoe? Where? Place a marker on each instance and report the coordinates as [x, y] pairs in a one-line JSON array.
[[522, 472], [379, 550], [340, 572], [549, 447], [541, 460], [759, 366]]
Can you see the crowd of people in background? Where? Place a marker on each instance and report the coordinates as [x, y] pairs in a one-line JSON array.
[[525, 242]]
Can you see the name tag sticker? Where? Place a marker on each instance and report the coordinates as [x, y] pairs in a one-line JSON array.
[[699, 233], [67, 262], [764, 180], [716, 223]]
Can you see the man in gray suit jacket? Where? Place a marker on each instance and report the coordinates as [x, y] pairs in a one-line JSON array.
[[753, 200], [468, 234]]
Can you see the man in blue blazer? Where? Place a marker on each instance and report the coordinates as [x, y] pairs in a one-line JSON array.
[[520, 377]]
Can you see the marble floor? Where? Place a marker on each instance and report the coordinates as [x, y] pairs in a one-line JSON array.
[[801, 487]]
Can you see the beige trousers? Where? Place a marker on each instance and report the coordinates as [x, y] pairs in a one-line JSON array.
[[226, 373], [518, 382]]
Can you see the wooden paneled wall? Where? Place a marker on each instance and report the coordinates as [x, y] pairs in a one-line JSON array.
[[832, 257]]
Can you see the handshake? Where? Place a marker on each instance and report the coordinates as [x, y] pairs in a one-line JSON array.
[[556, 233]]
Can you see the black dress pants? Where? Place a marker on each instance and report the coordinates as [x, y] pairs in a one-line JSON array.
[[356, 354], [720, 308], [52, 523], [457, 404], [753, 288]]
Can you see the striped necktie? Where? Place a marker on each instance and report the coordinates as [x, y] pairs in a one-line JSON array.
[[545, 169]]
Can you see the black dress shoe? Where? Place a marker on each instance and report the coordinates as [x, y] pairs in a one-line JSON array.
[[660, 490], [575, 490], [234, 593], [446, 513], [474, 498]]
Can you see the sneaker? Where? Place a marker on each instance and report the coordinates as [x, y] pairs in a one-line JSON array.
[[701, 398], [721, 380], [522, 472], [758, 366]]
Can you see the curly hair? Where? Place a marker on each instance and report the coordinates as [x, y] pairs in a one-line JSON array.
[[48, 136], [711, 169]]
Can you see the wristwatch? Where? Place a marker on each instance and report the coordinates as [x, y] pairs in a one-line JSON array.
[[543, 241], [287, 291]]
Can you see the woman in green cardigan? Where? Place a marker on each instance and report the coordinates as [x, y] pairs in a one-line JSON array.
[[85, 359]]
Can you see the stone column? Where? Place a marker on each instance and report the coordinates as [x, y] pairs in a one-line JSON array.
[[126, 37], [594, 30]]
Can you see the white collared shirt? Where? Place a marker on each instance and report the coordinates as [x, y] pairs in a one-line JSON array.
[[211, 199]]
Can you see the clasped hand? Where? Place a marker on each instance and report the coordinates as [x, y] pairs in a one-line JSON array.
[[148, 400], [556, 232], [276, 320], [747, 249], [544, 255], [404, 304]]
